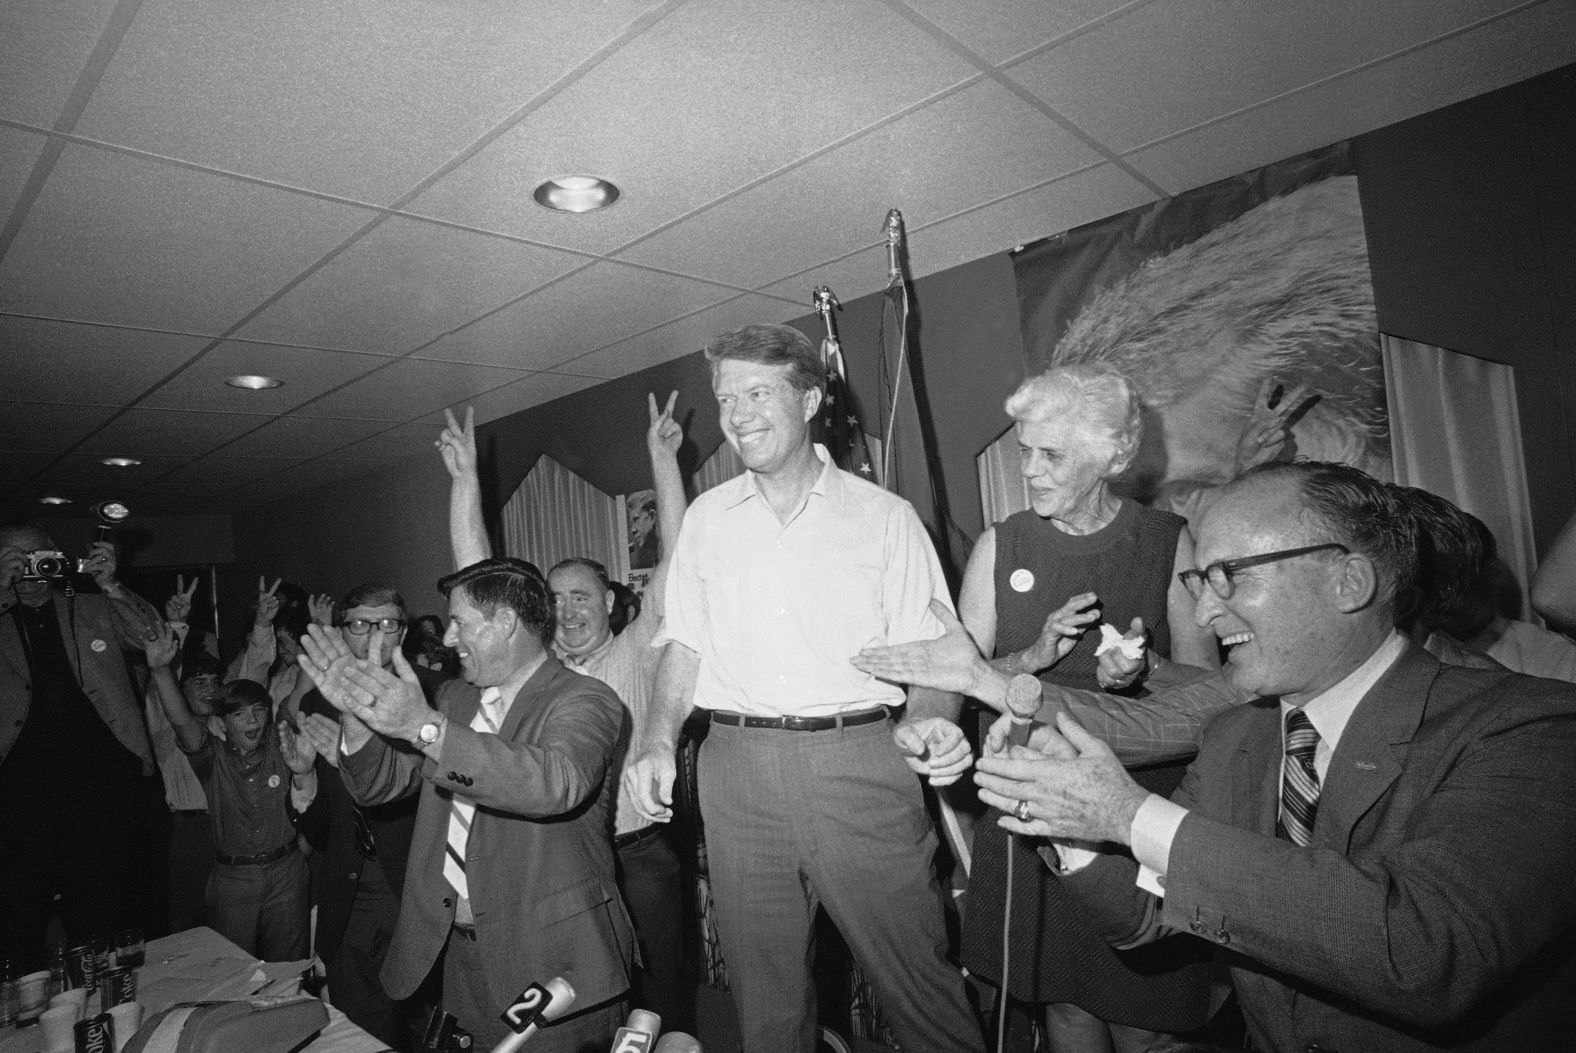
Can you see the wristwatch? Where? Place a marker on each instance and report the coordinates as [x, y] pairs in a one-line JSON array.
[[427, 734]]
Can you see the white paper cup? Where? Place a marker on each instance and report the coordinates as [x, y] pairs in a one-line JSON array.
[[57, 1024], [128, 1018], [32, 996], [77, 996]]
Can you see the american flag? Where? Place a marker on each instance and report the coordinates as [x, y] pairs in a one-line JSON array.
[[838, 424]]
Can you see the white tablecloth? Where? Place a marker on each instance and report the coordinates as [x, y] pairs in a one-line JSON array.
[[199, 965]]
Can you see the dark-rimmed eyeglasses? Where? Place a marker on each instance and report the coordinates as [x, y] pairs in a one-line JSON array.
[[1220, 574], [361, 626]]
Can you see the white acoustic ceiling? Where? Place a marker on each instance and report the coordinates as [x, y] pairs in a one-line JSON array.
[[338, 192]]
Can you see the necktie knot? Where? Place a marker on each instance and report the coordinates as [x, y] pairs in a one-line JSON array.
[[1302, 738]]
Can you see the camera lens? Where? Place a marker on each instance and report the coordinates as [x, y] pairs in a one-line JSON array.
[[51, 566]]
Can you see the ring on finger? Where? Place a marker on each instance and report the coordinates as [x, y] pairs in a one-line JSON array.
[[1022, 812]]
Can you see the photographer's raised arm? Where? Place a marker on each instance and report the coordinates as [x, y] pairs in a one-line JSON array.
[[467, 532], [135, 617]]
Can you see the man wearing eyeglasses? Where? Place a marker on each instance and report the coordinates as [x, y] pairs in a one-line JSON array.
[[364, 849], [1380, 845]]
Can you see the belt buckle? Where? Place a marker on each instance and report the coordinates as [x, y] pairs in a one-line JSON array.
[[798, 723]]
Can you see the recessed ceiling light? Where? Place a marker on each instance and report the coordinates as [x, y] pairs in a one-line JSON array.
[[121, 462], [51, 499], [253, 382], [576, 194]]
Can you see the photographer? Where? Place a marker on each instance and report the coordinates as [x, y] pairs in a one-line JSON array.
[[74, 753]]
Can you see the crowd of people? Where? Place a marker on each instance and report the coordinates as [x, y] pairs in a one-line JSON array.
[[1285, 756]]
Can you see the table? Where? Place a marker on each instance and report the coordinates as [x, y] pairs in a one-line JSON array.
[[199, 965]]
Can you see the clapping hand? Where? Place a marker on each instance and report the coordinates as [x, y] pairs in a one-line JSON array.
[[321, 608], [162, 647], [390, 703], [1060, 633], [323, 734], [299, 751], [178, 608], [457, 444]]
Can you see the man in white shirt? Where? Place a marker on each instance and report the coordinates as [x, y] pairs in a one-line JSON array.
[[778, 578], [1381, 845]]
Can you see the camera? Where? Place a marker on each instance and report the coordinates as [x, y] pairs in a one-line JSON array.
[[47, 564]]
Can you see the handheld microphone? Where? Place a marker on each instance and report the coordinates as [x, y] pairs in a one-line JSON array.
[[678, 1042], [533, 1007], [639, 1033], [1023, 702], [895, 237]]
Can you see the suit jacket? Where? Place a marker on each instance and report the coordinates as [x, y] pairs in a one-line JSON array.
[[539, 858], [330, 824], [1434, 908], [96, 630]]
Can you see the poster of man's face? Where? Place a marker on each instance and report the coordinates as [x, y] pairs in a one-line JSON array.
[[645, 541]]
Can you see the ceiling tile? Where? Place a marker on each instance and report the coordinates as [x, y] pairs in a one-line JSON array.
[[224, 470], [18, 466], [119, 239], [47, 426], [325, 470], [397, 443], [45, 360], [90, 478], [1493, 56], [44, 45], [307, 373], [1004, 28], [980, 143], [302, 437], [701, 104], [141, 432], [1175, 63], [407, 389], [19, 152], [534, 390], [683, 336], [357, 97], [1062, 204], [586, 310], [404, 283]]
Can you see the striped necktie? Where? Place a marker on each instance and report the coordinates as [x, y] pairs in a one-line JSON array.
[[1299, 805], [463, 811]]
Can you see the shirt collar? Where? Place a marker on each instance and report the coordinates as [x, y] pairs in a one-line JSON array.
[[829, 483], [585, 660], [1330, 711], [505, 693]]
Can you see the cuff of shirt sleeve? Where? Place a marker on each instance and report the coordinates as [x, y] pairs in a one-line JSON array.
[[1068, 857], [344, 744], [1154, 827]]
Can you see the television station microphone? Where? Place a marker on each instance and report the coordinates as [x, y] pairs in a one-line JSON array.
[[678, 1042], [533, 1007], [1023, 702], [896, 239], [639, 1033]]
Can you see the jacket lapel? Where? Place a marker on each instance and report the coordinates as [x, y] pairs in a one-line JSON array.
[[1255, 776], [1364, 764], [522, 708]]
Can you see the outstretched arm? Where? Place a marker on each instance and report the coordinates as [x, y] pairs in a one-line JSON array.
[[650, 773], [663, 439], [467, 532], [161, 650]]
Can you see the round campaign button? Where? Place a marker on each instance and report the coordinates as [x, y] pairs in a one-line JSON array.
[[1022, 580], [273, 782], [99, 646]]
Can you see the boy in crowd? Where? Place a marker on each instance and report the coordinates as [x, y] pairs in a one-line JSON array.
[[257, 777]]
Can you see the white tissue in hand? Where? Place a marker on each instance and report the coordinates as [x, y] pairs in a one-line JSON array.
[[1111, 639]]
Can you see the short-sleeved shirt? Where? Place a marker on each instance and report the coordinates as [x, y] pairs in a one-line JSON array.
[[248, 798], [777, 610], [626, 662]]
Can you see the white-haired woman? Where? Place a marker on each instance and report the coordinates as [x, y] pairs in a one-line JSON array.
[[1037, 587]]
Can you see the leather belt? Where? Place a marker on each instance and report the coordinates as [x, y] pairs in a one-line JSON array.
[[635, 837], [842, 720], [259, 859]]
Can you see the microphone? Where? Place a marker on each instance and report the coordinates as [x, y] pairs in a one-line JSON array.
[[895, 239], [1023, 702], [639, 1033], [533, 1007], [678, 1042]]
